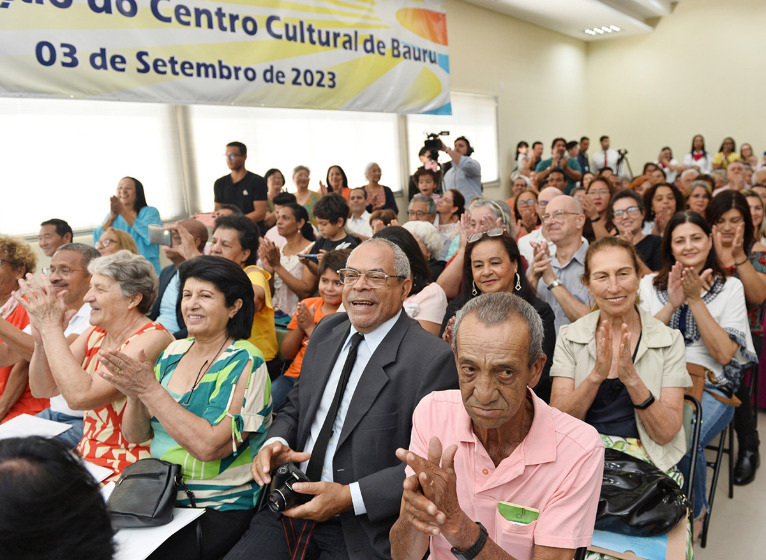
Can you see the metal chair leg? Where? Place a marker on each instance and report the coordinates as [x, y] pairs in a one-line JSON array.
[[720, 449]]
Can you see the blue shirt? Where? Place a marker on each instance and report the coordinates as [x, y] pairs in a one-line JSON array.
[[168, 317], [465, 177], [139, 231], [571, 164]]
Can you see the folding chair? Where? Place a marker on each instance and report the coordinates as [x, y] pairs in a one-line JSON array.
[[720, 449], [692, 429], [692, 424]]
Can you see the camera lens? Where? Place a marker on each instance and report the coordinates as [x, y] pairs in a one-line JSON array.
[[276, 501]]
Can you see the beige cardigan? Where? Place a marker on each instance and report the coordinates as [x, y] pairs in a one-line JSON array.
[[660, 362]]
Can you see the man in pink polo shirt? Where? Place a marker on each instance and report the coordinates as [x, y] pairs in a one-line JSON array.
[[519, 478]]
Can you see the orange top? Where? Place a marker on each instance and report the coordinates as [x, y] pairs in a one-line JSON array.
[[316, 302], [27, 404], [102, 441]]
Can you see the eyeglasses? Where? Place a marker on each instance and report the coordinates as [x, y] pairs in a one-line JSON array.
[[417, 214], [557, 216], [62, 270], [528, 202], [374, 278], [231, 156], [627, 212], [542, 203], [599, 191], [494, 232], [104, 244]]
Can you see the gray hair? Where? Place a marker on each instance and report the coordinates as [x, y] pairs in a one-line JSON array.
[[499, 208], [688, 171], [427, 199], [496, 308], [401, 262], [301, 168], [368, 167], [516, 175], [87, 253], [133, 274], [700, 183], [428, 235], [721, 172]]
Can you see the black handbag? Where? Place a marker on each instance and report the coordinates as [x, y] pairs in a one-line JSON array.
[[145, 494], [637, 498]]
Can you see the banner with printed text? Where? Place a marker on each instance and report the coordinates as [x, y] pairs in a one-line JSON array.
[[355, 55]]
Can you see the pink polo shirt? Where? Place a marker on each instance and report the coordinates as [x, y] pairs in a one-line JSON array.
[[557, 470]]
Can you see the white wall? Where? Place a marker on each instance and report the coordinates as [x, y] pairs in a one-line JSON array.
[[537, 75], [700, 71]]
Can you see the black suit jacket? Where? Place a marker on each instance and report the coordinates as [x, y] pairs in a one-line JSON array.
[[409, 364]]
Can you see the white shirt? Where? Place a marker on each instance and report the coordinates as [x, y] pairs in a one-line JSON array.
[[612, 157], [670, 175], [77, 325], [729, 311], [525, 247], [360, 225], [705, 164], [366, 349]]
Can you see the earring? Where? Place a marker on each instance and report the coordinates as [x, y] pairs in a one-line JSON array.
[[474, 292], [517, 287]]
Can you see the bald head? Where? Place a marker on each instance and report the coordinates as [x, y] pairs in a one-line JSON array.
[[545, 196], [198, 231], [565, 220]]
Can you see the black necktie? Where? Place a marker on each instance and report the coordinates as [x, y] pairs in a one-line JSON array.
[[314, 469]]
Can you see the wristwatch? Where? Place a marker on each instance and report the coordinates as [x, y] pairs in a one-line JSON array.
[[476, 547], [553, 284]]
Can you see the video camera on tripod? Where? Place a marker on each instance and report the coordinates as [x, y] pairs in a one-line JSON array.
[[433, 143]]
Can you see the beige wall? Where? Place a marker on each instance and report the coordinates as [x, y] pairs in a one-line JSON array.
[[536, 74], [697, 72], [700, 71]]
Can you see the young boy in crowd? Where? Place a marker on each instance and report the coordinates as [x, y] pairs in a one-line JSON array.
[[308, 313], [428, 182], [331, 213]]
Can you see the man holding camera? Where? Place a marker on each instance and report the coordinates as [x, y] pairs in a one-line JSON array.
[[465, 172], [363, 373]]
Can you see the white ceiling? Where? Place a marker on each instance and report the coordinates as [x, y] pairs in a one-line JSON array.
[[572, 17]]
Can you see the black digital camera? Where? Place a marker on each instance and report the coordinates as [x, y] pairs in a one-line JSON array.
[[281, 495]]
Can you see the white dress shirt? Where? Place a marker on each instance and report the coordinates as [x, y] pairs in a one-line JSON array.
[[77, 325], [366, 349]]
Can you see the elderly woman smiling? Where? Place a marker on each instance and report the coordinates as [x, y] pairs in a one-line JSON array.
[[122, 290], [206, 405], [620, 369]]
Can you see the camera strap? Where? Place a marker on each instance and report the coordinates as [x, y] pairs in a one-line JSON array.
[[297, 532]]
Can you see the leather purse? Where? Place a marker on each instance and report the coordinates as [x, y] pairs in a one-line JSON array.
[[145, 494], [637, 498]]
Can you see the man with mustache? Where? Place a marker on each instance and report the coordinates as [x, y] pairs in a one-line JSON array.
[[345, 436], [69, 275]]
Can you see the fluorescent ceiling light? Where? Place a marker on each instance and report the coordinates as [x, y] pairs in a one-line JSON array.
[[601, 30]]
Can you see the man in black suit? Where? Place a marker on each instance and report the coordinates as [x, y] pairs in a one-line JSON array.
[[166, 309], [397, 363]]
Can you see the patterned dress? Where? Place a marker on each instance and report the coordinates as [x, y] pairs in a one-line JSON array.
[[227, 483], [102, 442]]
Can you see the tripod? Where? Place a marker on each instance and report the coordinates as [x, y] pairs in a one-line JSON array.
[[624, 159]]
